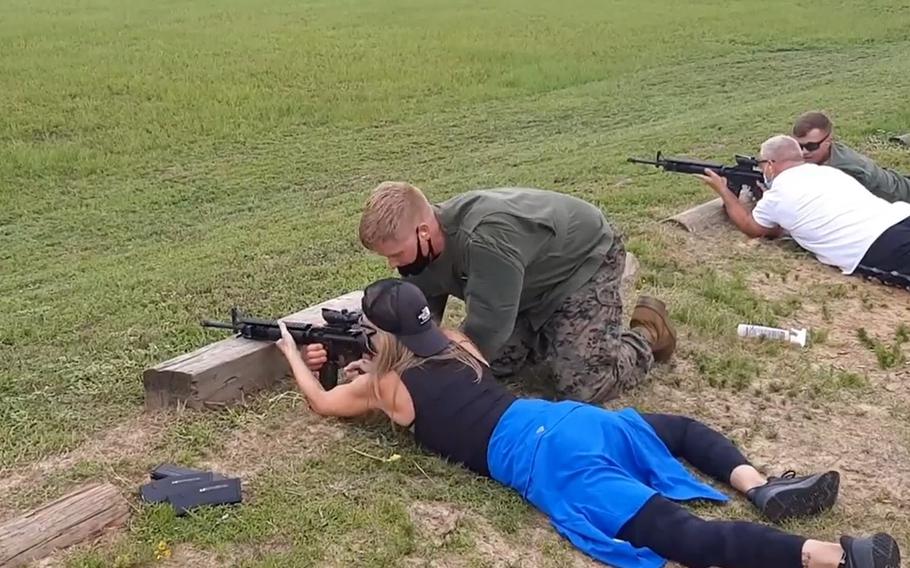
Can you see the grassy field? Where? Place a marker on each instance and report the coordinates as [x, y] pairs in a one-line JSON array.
[[160, 162]]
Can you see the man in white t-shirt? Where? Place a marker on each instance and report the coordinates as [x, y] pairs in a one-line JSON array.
[[826, 211]]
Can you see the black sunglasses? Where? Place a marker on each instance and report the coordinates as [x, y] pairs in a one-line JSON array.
[[813, 146]]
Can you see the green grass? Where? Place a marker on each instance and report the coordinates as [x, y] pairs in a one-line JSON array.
[[160, 162], [888, 356], [732, 371], [818, 336]]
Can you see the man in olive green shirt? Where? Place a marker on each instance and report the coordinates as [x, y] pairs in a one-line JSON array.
[[539, 272], [815, 134]]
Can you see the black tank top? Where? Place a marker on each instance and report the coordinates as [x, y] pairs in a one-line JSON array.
[[454, 413]]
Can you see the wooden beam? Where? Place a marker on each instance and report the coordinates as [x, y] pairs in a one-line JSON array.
[[78, 516], [708, 215], [223, 372], [701, 217]]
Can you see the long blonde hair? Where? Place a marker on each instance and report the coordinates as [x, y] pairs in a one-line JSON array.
[[391, 356]]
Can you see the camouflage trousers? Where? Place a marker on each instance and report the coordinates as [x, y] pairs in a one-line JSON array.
[[584, 346]]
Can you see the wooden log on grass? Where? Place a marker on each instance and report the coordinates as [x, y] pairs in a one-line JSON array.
[[707, 215], [76, 517], [701, 217], [223, 372]]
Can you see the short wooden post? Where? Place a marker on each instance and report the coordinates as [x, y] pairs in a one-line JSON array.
[[708, 215]]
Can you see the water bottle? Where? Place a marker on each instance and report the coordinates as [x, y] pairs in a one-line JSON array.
[[796, 336]]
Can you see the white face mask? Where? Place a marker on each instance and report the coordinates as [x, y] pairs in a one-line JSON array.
[[768, 179]]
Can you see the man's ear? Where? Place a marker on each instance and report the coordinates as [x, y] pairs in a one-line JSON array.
[[423, 230]]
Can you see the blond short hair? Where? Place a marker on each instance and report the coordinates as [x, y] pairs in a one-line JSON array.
[[391, 207]]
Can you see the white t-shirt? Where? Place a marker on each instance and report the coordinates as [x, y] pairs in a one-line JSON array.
[[828, 213]]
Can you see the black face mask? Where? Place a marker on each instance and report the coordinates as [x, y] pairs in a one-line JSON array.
[[422, 260]]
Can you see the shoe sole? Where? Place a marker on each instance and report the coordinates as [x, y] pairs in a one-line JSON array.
[[799, 502], [885, 551], [661, 355]]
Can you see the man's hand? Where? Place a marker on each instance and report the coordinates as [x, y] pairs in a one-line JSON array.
[[736, 211], [714, 181]]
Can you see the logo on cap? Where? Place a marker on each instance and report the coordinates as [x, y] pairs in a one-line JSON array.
[[424, 315]]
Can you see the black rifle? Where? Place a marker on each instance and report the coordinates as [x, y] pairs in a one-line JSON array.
[[344, 339], [744, 174]]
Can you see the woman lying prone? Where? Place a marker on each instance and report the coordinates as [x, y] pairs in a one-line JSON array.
[[607, 480]]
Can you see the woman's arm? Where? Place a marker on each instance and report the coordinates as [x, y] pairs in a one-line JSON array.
[[349, 399]]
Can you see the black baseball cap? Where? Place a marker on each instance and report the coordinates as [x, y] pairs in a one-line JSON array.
[[400, 308]]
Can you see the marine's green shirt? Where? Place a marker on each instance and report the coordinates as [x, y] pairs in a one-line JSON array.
[[513, 252], [882, 182]]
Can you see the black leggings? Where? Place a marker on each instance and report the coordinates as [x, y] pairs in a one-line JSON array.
[[676, 534]]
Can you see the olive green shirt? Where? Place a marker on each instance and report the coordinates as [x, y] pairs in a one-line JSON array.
[[881, 182], [513, 252]]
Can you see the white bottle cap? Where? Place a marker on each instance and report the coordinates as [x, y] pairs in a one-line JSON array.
[[798, 336]]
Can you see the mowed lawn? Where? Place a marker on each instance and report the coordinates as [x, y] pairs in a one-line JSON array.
[[161, 162]]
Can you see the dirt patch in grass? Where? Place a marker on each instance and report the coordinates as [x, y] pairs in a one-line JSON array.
[[298, 434], [841, 310], [129, 440], [435, 521], [186, 556], [829, 406], [441, 524]]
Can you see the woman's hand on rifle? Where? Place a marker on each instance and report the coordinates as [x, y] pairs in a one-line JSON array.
[[356, 368], [350, 399], [286, 344]]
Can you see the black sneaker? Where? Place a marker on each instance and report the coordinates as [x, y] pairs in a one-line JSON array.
[[877, 551], [788, 496]]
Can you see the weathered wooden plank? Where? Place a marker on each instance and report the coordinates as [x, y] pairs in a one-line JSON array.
[[707, 215], [223, 372], [701, 217], [78, 516]]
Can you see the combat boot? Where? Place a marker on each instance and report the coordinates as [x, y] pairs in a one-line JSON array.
[[651, 319]]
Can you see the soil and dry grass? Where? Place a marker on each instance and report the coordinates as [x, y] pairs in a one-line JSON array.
[[160, 162]]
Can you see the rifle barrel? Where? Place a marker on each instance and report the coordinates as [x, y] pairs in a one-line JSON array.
[[219, 324]]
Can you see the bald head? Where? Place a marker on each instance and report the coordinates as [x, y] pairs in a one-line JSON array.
[[782, 149]]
